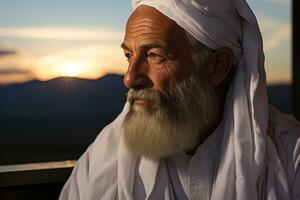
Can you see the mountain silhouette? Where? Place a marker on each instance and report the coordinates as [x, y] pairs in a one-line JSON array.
[[67, 97], [63, 97]]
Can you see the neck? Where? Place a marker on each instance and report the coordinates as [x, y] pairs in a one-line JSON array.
[[205, 134]]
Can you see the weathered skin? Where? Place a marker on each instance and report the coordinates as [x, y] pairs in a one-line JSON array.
[[158, 52]]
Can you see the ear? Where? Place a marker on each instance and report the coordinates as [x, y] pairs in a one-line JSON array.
[[218, 70]]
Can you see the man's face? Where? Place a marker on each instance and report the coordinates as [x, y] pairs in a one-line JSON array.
[[157, 50], [170, 106]]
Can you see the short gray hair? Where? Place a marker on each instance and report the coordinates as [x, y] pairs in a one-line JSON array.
[[201, 54]]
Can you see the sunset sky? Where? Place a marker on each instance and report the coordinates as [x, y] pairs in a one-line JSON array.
[[42, 39]]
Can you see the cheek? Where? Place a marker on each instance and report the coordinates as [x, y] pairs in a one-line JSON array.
[[161, 80], [184, 70], [169, 75]]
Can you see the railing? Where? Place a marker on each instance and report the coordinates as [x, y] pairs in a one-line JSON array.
[[35, 180]]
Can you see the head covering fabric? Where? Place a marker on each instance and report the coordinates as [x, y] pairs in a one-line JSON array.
[[214, 23]]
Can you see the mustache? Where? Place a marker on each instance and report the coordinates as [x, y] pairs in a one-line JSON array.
[[167, 100], [147, 94]]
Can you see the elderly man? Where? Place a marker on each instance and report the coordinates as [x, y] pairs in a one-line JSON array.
[[197, 124]]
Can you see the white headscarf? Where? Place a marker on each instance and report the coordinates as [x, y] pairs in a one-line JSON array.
[[245, 153]]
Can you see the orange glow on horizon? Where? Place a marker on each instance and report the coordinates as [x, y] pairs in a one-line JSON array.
[[90, 62]]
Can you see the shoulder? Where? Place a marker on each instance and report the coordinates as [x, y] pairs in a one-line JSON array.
[[286, 129], [106, 144], [98, 162], [287, 138]]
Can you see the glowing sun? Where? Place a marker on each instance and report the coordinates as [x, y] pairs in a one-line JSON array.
[[70, 69]]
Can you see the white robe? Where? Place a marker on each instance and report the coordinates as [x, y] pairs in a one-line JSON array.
[[102, 172]]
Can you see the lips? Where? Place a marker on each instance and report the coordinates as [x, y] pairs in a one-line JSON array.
[[139, 101]]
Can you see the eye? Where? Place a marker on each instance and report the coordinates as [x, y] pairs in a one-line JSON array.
[[156, 58], [128, 56]]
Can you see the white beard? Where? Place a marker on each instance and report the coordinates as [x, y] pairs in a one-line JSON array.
[[173, 122]]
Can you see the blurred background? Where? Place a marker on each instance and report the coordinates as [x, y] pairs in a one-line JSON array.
[[61, 70]]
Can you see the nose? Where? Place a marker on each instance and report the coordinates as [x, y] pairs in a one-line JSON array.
[[136, 76]]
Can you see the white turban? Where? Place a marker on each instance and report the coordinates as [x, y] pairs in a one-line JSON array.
[[246, 147]]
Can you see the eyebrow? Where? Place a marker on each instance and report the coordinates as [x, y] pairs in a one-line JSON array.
[[123, 46], [145, 47]]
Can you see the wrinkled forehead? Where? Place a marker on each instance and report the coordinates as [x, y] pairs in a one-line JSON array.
[[146, 18], [148, 27], [150, 13]]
